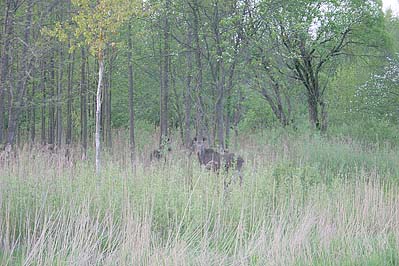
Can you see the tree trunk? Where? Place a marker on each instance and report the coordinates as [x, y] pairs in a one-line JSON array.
[[200, 128], [23, 78], [237, 118], [313, 111], [51, 107], [228, 105], [131, 98], [71, 59], [83, 104], [165, 78], [32, 109], [107, 103], [178, 108], [220, 80], [98, 111], [324, 117], [44, 103], [187, 96], [59, 99], [8, 29]]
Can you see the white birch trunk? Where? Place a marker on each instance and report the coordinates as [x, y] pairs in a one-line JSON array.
[[98, 114]]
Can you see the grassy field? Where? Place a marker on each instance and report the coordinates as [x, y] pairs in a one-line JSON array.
[[305, 200]]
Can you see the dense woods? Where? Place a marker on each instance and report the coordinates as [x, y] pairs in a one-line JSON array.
[[223, 132], [70, 69]]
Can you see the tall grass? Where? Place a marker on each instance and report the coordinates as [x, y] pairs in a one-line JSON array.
[[305, 201]]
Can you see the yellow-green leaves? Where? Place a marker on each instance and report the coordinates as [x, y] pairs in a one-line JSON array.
[[94, 23]]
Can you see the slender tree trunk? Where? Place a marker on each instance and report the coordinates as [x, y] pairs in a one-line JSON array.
[[71, 59], [83, 104], [201, 130], [237, 117], [187, 97], [8, 29], [51, 107], [104, 103], [23, 78], [131, 98], [59, 99], [229, 96], [108, 129], [32, 109], [220, 80], [179, 110], [165, 77], [324, 117], [44, 103], [98, 111]]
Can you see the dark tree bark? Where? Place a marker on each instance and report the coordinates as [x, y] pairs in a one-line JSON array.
[[71, 59], [23, 77], [165, 76], [107, 102], [274, 96], [44, 104], [178, 108], [131, 99], [83, 103], [229, 89], [32, 111], [6, 39], [201, 129], [187, 96], [51, 105], [59, 98], [237, 118]]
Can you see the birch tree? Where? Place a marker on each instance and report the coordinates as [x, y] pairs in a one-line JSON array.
[[95, 24]]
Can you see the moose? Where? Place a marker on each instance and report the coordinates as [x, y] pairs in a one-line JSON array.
[[212, 160], [164, 148]]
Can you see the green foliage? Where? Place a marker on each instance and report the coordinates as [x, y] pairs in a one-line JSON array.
[[379, 96]]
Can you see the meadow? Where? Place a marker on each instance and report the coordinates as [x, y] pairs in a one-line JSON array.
[[305, 200]]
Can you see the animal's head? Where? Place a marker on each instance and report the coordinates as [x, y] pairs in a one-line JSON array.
[[198, 145]]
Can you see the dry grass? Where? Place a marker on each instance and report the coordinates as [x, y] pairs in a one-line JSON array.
[[305, 201]]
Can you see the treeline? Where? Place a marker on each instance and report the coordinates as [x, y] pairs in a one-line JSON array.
[[201, 67]]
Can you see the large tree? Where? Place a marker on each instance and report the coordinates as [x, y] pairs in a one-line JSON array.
[[311, 34]]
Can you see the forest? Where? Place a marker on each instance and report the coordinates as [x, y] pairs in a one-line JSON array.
[[199, 132]]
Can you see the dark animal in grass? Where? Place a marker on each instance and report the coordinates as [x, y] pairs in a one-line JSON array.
[[207, 157], [158, 154], [230, 160], [161, 151], [213, 160]]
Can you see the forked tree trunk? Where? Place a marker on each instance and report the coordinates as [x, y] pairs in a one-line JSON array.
[[98, 112]]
